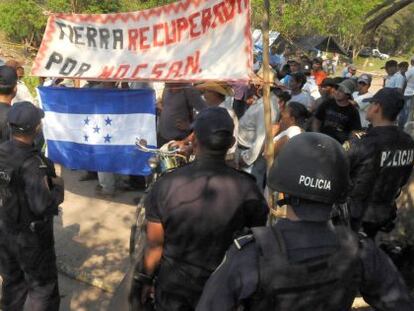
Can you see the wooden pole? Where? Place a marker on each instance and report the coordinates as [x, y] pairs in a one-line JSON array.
[[269, 152]]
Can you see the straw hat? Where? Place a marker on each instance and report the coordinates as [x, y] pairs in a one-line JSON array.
[[217, 87]]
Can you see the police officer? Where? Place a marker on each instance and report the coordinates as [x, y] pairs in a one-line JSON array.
[[381, 163], [192, 215], [303, 262], [30, 194], [8, 89]]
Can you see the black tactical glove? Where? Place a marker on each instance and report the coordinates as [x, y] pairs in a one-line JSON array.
[[141, 293]]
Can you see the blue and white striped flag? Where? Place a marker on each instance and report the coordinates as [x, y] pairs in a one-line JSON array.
[[96, 129]]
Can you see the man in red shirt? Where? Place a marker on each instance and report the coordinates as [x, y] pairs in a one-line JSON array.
[[317, 71]]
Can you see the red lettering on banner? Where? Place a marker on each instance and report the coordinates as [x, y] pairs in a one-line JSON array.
[[193, 25], [193, 64], [135, 74], [206, 19], [158, 27], [182, 25], [132, 38], [106, 72], [217, 13], [143, 38], [175, 69], [229, 10], [157, 71], [170, 38], [122, 71], [239, 6]]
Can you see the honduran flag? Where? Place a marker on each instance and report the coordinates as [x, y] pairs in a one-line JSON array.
[[96, 129]]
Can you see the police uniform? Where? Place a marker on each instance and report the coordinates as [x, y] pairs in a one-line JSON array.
[[201, 206], [8, 78], [244, 276], [305, 263], [381, 162], [27, 255]]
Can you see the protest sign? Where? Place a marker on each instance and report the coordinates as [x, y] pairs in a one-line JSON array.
[[184, 41]]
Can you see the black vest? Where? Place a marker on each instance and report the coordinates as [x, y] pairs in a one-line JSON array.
[[325, 283], [15, 214]]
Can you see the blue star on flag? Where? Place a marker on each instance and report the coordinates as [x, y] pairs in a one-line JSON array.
[[108, 121], [96, 129], [86, 121], [86, 137], [107, 138]]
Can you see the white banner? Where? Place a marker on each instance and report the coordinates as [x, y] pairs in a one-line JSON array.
[[187, 40]]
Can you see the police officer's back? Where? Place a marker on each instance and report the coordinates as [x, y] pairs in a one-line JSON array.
[[29, 196], [193, 214], [8, 89], [381, 163], [304, 262]]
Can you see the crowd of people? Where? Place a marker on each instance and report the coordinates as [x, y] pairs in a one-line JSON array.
[[341, 160]]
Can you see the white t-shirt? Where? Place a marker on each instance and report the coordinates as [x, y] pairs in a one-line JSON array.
[[289, 132], [23, 94], [227, 103], [409, 75], [396, 81], [362, 106], [312, 88], [304, 98]]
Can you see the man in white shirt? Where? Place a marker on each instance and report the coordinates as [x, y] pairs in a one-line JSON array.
[[364, 83], [310, 87], [394, 79], [296, 84], [23, 93], [406, 114], [251, 138]]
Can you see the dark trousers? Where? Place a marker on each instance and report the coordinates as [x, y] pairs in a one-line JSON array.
[[28, 269], [171, 302]]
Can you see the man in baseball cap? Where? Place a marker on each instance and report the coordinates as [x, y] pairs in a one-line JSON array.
[[195, 211], [381, 164], [8, 89], [30, 196], [24, 118], [362, 92]]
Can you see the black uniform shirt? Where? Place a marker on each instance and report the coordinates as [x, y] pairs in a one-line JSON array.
[[201, 206], [381, 163], [336, 121], [34, 174], [237, 277], [4, 128]]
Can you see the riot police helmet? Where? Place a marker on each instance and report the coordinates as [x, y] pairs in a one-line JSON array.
[[313, 168]]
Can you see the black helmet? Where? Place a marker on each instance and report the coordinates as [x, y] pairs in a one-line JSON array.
[[313, 167]]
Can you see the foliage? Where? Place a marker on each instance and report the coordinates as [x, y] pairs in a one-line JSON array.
[[396, 35], [22, 21]]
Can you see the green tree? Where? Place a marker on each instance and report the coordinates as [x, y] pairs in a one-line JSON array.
[[22, 21]]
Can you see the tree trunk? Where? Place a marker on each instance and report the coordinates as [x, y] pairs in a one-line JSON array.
[[379, 7], [374, 23]]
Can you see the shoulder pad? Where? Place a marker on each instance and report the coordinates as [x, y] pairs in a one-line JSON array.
[[243, 240], [239, 171]]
